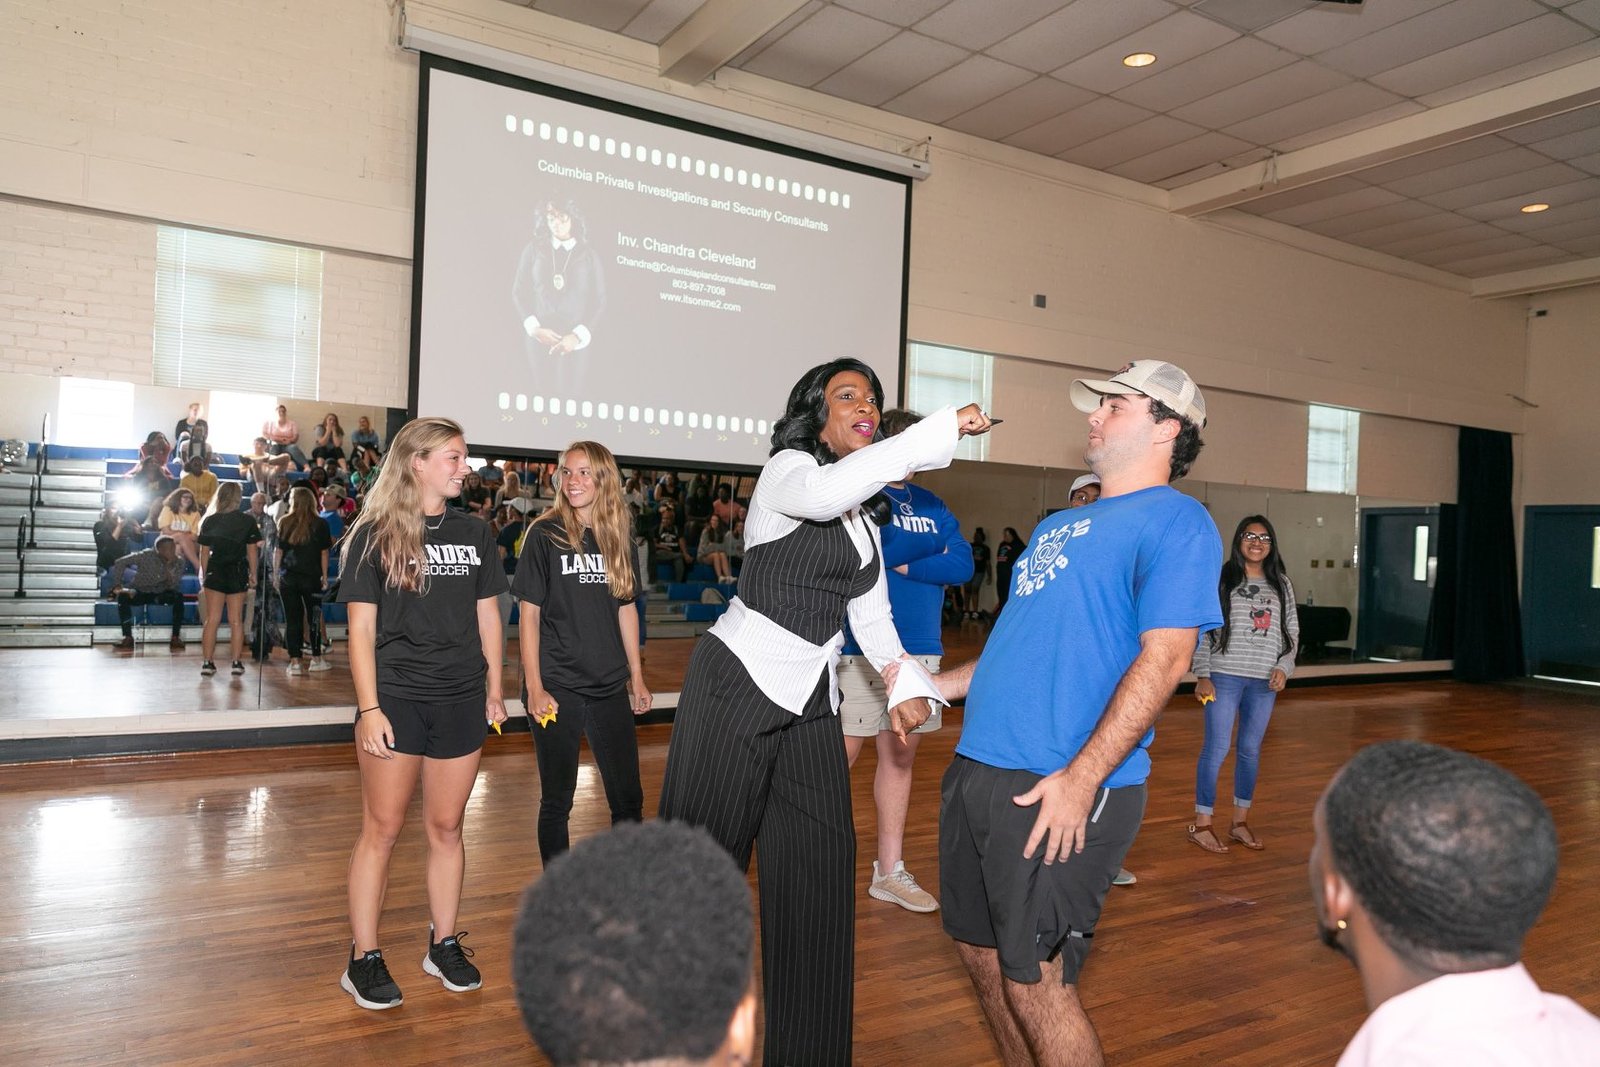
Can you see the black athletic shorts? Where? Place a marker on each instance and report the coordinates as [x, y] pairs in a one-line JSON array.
[[989, 895], [228, 578], [438, 731]]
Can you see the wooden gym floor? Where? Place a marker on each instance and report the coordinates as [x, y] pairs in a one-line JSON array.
[[190, 909]]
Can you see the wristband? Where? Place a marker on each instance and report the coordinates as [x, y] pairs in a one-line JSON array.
[[362, 711]]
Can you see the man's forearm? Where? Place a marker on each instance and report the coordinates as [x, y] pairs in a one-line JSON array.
[[1139, 699], [954, 682]]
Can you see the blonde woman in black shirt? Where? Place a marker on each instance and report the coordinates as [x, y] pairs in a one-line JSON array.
[[580, 642], [421, 581]]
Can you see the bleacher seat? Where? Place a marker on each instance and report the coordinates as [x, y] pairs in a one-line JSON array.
[[703, 612]]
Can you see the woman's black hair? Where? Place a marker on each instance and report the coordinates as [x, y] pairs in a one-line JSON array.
[[1016, 538], [1233, 576], [566, 206], [800, 428]]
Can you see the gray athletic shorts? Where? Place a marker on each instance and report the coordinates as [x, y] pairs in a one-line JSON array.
[[864, 703], [1028, 911]]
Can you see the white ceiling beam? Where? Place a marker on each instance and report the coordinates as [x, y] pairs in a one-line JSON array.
[[717, 32], [1538, 279], [1499, 109]]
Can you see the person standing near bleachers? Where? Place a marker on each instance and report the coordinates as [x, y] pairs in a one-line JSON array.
[[923, 551], [300, 562], [229, 545], [420, 581], [575, 583], [157, 577]]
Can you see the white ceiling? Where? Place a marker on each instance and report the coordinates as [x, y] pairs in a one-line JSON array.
[[1416, 128]]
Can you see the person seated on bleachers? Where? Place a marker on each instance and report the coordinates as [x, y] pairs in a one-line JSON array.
[[491, 474], [727, 508], [283, 435], [180, 520], [736, 545], [115, 535], [196, 444], [1428, 869], [150, 471], [638, 947], [259, 466], [199, 480], [670, 545], [364, 467], [476, 498], [365, 437], [330, 442], [186, 423], [157, 578], [714, 548]]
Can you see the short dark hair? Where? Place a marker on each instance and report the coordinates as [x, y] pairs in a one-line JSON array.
[[1186, 446], [1452, 856], [897, 421], [635, 946]]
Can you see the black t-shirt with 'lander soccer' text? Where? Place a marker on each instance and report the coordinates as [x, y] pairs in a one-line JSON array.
[[427, 644], [580, 637]]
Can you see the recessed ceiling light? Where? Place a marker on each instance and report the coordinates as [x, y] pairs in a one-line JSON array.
[[1533, 209], [1139, 59]]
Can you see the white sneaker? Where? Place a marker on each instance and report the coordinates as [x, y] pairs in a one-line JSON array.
[[898, 887], [1125, 877], [296, 667], [319, 664]]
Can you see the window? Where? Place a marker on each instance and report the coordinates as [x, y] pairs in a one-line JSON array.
[[1331, 450], [938, 376], [238, 314]]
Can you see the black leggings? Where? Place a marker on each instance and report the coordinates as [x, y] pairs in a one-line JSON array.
[[302, 604], [608, 723]]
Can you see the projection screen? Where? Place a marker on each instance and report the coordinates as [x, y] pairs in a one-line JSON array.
[[588, 270]]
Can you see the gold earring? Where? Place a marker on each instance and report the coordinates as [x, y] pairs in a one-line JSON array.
[[1341, 924]]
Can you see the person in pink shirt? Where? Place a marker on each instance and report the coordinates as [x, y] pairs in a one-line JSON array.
[[1429, 868], [282, 435]]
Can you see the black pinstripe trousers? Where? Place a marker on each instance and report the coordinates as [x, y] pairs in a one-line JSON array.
[[752, 773]]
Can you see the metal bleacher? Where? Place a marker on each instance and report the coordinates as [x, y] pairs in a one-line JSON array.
[[48, 583]]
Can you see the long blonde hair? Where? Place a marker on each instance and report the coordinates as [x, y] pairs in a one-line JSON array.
[[295, 527], [394, 506], [225, 502], [610, 514]]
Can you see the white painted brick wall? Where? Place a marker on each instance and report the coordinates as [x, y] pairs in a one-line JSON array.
[[77, 297], [77, 293]]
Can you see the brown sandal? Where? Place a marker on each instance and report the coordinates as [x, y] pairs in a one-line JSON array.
[[1215, 843], [1242, 833]]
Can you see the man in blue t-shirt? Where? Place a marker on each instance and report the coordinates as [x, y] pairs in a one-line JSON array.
[[1048, 785]]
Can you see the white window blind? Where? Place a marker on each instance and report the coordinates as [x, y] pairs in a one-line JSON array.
[[939, 376], [1332, 447], [236, 313]]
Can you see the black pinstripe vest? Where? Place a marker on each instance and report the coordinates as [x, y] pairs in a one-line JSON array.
[[804, 580]]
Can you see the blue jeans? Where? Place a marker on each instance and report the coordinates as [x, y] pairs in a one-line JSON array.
[[1249, 700]]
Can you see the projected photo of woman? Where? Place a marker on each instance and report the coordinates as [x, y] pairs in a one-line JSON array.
[[560, 293]]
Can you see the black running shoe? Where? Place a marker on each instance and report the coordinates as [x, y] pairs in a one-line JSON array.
[[367, 979], [238, 667], [447, 961], [207, 669]]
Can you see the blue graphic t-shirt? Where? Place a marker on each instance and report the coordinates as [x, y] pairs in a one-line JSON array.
[[1089, 582], [926, 538]]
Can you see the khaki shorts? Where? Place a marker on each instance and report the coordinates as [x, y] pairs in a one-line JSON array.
[[863, 702]]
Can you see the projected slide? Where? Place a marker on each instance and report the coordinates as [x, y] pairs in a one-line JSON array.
[[586, 273]]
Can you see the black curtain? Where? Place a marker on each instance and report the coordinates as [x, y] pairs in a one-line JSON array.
[[1488, 616]]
